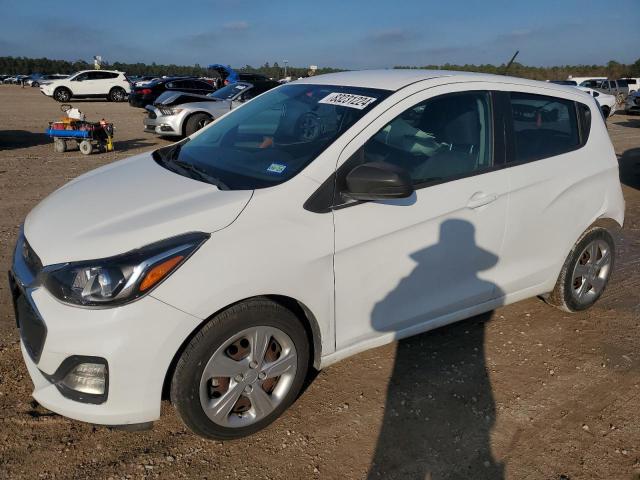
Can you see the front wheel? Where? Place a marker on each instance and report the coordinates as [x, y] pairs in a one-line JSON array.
[[196, 122], [241, 370], [62, 95], [585, 273]]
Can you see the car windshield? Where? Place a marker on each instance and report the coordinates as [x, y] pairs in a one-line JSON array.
[[230, 91], [272, 138]]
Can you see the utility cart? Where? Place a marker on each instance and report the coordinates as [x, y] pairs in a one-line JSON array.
[[74, 129]]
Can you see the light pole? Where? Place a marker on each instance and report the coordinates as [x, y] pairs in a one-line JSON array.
[[285, 68]]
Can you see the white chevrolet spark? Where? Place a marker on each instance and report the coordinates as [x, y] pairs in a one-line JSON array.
[[325, 217]]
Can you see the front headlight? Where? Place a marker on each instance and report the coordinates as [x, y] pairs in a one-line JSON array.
[[123, 278], [169, 110]]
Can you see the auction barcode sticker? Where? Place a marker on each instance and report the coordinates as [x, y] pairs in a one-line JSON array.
[[348, 100]]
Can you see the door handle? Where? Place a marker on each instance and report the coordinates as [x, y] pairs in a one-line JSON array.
[[480, 199]]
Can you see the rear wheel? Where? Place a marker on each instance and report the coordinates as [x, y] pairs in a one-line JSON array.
[[241, 370], [62, 94], [59, 145], [605, 112], [195, 122], [585, 273], [117, 94]]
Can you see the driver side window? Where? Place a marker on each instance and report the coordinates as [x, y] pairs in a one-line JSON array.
[[440, 139]]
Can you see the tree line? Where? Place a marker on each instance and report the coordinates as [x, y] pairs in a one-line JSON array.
[[26, 66], [612, 69]]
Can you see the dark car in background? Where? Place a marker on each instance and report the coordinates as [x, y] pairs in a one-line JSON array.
[[45, 79], [144, 95]]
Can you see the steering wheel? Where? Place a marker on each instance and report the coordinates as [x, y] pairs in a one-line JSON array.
[[308, 127]]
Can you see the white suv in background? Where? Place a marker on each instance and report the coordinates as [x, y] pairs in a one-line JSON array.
[[608, 103], [109, 84], [633, 84], [322, 218]]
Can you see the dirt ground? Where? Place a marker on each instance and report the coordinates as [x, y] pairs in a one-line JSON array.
[[526, 392]]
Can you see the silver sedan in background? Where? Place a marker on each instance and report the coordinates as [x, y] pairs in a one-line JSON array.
[[177, 114]]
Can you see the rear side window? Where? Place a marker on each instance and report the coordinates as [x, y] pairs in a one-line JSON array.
[[200, 85], [543, 126], [584, 115]]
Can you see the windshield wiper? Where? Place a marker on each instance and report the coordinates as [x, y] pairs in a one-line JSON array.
[[199, 173]]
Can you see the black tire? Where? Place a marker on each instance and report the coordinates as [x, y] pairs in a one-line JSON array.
[[563, 294], [35, 84], [62, 94], [605, 112], [117, 94], [195, 122], [185, 385]]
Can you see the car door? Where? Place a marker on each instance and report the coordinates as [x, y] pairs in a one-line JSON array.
[[177, 85], [402, 263], [555, 190], [81, 85]]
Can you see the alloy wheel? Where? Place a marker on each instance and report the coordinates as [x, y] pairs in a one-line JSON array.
[[248, 376], [591, 272]]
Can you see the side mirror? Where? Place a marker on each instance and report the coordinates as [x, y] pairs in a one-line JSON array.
[[378, 181]]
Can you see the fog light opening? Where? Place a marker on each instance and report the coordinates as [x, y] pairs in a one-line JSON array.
[[89, 378]]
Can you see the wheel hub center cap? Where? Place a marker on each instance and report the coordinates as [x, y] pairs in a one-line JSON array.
[[251, 376]]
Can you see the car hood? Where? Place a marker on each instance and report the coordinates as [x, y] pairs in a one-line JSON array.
[[123, 206], [178, 98]]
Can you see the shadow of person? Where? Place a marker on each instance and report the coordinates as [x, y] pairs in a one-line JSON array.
[[439, 408], [629, 165]]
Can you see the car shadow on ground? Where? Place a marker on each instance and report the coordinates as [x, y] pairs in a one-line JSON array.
[[440, 408], [132, 144], [629, 164], [12, 139]]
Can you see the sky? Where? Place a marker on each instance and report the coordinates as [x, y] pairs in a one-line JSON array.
[[352, 34]]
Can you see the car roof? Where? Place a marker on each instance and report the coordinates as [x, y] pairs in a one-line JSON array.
[[396, 79], [100, 70]]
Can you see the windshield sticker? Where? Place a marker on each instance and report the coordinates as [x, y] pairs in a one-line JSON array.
[[350, 100], [276, 168]]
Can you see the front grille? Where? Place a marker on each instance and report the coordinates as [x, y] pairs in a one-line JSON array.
[[152, 114], [32, 329], [31, 258]]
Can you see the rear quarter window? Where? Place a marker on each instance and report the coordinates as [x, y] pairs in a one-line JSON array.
[[543, 126]]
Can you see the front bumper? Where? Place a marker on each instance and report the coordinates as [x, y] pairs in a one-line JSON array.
[[138, 341], [165, 125]]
